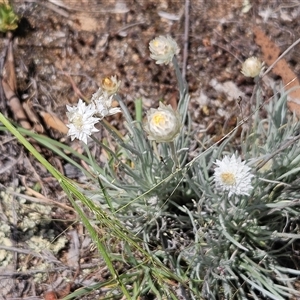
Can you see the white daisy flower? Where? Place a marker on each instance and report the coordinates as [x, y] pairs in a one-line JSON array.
[[162, 49], [233, 176], [81, 121], [163, 124], [103, 104]]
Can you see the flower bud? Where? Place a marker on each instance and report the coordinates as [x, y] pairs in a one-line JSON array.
[[110, 85], [251, 67], [102, 101], [163, 49], [163, 124]]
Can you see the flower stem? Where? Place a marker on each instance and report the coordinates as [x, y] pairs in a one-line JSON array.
[[174, 157], [181, 81], [223, 205]]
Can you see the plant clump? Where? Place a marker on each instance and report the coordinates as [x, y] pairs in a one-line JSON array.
[[223, 224]]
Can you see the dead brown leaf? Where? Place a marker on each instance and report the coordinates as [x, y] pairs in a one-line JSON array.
[[15, 106], [30, 113], [54, 122], [9, 85], [270, 53]]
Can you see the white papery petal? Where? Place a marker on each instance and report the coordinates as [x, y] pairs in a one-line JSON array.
[[81, 121], [163, 124], [233, 176], [163, 49], [103, 103]]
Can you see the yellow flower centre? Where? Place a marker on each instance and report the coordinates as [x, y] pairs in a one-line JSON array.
[[161, 48], [156, 43], [107, 83], [228, 178], [159, 119], [77, 121]]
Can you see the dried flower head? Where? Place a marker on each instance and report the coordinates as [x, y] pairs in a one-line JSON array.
[[103, 104], [81, 121], [163, 124], [110, 85], [252, 67], [163, 49], [233, 176]]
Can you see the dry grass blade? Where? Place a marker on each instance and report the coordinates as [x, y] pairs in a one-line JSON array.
[[53, 6], [91, 6], [8, 166], [39, 198]]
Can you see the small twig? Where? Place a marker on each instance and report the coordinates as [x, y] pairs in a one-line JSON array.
[[129, 26], [283, 147], [226, 49], [186, 38], [274, 182], [32, 272], [252, 101], [174, 156], [43, 255], [52, 6], [80, 75], [42, 200], [18, 273], [280, 57], [22, 251], [36, 175], [74, 86], [10, 165], [2, 94], [120, 7]]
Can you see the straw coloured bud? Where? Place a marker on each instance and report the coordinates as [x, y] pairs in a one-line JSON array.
[[163, 124], [251, 67], [162, 49], [110, 85]]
